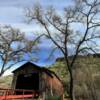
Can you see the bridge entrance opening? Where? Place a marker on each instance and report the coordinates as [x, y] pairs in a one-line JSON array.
[[28, 82]]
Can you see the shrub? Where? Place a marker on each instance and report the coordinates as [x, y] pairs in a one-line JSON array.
[[53, 98]]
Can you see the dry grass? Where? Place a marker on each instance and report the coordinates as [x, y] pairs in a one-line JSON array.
[[5, 82]]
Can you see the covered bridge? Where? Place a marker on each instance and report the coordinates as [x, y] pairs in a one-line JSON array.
[[32, 77]]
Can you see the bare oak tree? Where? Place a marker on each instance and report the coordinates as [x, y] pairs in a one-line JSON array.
[[13, 46], [78, 27]]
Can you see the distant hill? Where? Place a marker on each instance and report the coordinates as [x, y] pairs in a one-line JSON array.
[[90, 61]]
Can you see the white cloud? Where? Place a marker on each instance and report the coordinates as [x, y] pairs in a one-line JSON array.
[[11, 11]]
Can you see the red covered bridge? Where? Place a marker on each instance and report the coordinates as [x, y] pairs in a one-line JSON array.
[[31, 81]]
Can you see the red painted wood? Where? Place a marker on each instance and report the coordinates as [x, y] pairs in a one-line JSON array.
[[8, 94], [16, 96]]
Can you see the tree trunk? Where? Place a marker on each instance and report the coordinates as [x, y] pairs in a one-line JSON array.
[[1, 73], [71, 81], [71, 90]]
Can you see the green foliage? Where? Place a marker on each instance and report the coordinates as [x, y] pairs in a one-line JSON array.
[[53, 98], [60, 69]]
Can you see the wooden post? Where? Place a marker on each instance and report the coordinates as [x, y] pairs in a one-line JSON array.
[[6, 94], [23, 94], [33, 95], [51, 89], [62, 97], [44, 95]]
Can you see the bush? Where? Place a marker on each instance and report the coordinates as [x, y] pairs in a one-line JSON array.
[[53, 98]]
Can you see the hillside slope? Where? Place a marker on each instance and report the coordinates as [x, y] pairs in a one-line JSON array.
[[86, 77], [5, 81]]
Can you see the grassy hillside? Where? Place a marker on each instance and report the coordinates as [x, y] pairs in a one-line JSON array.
[[86, 77], [83, 63], [5, 82]]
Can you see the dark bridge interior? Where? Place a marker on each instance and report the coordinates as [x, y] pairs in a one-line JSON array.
[[28, 82]]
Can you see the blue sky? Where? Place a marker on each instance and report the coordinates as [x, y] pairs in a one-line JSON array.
[[12, 13]]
